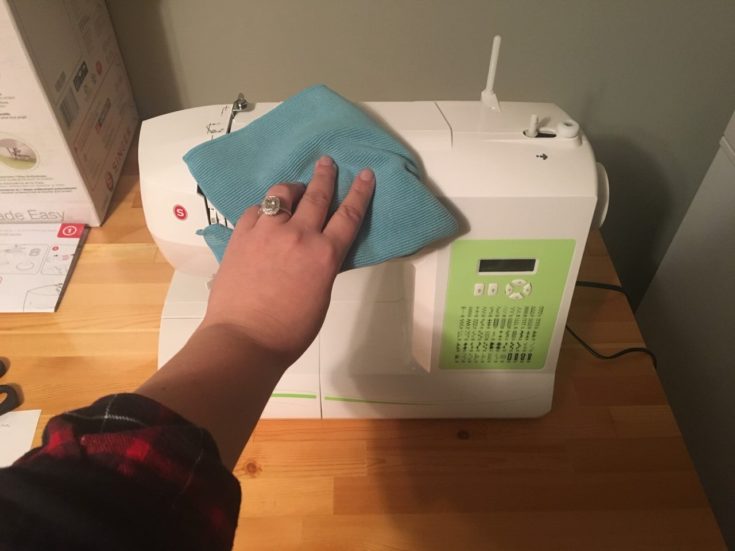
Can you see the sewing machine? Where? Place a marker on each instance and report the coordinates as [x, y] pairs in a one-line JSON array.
[[469, 328]]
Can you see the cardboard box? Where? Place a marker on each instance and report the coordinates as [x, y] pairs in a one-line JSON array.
[[67, 116]]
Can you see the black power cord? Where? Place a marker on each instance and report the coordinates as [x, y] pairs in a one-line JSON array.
[[595, 353]]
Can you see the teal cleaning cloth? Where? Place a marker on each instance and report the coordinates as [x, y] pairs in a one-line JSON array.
[[235, 171]]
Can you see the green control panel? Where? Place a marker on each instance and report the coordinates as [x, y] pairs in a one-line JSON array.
[[502, 302]]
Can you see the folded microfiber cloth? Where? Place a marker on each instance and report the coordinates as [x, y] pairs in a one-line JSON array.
[[235, 171]]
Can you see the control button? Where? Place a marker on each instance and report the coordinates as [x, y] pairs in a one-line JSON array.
[[567, 129], [479, 289], [518, 289], [492, 289]]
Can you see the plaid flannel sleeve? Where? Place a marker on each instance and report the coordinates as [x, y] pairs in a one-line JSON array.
[[123, 473]]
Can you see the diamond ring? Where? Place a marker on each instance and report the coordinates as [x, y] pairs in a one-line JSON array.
[[271, 205]]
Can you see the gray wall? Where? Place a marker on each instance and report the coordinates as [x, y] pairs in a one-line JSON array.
[[652, 82], [688, 330]]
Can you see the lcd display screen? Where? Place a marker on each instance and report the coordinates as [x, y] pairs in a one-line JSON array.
[[510, 265]]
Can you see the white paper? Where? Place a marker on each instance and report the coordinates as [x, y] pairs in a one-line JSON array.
[[35, 263], [16, 434]]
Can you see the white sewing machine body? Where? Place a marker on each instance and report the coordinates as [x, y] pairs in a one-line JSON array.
[[470, 328]]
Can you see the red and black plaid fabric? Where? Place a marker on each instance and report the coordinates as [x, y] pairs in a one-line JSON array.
[[123, 473]]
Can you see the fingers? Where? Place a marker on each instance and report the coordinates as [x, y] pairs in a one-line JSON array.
[[314, 205], [288, 195], [310, 205], [344, 224], [249, 217]]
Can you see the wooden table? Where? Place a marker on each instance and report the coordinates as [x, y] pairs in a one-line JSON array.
[[606, 469]]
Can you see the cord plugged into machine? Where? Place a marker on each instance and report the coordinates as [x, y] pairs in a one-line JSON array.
[[623, 352]]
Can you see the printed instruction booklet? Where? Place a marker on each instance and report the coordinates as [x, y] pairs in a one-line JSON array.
[[36, 261]]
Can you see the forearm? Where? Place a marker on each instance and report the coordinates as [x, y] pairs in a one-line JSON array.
[[253, 330], [220, 381]]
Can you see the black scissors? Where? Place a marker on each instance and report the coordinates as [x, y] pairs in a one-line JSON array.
[[9, 394]]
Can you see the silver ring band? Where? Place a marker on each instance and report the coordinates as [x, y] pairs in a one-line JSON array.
[[271, 206]]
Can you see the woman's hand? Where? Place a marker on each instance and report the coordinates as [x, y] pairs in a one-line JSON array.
[[275, 280], [267, 304]]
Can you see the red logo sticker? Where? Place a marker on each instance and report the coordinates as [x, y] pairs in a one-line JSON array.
[[70, 230], [180, 212]]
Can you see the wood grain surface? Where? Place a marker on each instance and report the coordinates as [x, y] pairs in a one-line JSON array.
[[606, 469]]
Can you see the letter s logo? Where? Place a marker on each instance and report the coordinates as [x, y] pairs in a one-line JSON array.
[[180, 212]]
